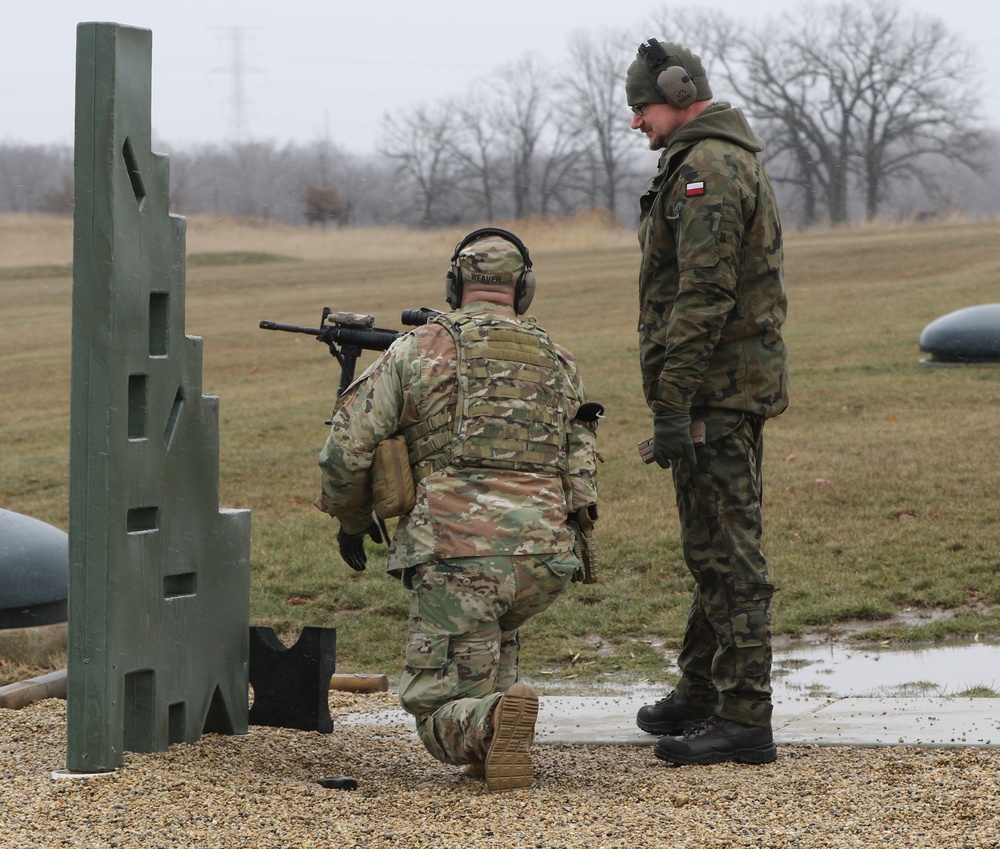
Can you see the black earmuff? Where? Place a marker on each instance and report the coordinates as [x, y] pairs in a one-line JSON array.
[[524, 287], [675, 83]]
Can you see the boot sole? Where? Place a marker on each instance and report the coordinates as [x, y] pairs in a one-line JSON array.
[[508, 761], [761, 755]]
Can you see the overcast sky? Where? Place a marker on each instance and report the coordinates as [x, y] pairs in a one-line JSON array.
[[311, 68]]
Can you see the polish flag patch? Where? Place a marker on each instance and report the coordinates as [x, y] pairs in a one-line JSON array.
[[693, 190]]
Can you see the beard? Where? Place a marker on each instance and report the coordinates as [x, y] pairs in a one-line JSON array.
[[657, 142]]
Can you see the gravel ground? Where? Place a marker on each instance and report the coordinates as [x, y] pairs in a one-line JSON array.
[[260, 791]]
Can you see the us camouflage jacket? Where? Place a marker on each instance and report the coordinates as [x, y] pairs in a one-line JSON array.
[[711, 285], [459, 512]]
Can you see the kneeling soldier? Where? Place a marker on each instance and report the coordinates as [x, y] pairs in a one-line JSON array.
[[493, 421]]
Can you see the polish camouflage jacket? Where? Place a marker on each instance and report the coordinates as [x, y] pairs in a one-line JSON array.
[[711, 285], [478, 493]]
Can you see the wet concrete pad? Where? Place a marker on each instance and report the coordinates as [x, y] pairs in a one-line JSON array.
[[610, 720]]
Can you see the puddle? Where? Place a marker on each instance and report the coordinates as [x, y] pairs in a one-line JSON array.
[[833, 670]]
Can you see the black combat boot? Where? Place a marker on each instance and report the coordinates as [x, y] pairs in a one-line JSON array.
[[671, 716], [717, 740]]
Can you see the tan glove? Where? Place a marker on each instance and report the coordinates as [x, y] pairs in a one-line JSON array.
[[582, 525]]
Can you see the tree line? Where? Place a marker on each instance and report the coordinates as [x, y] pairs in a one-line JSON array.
[[867, 111]]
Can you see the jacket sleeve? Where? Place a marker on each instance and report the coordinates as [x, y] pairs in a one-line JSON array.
[[367, 413], [709, 228]]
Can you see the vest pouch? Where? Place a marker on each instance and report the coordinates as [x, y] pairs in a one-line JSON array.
[[393, 490]]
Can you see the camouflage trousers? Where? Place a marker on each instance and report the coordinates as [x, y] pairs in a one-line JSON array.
[[725, 658], [462, 647]]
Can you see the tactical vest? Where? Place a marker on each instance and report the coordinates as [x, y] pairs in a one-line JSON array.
[[509, 406]]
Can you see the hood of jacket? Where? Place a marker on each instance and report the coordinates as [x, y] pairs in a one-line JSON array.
[[719, 121]]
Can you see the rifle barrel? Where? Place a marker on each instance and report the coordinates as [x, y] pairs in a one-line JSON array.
[[289, 328]]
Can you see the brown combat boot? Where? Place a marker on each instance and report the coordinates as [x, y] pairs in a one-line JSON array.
[[508, 761]]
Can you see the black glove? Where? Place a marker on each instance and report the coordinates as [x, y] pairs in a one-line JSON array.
[[352, 546], [352, 549], [672, 439]]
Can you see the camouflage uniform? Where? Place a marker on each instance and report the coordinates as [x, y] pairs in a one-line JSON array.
[[711, 305], [486, 546]]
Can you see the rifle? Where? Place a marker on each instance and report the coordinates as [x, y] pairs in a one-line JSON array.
[[353, 333]]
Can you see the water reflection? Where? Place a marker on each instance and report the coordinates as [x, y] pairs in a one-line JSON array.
[[835, 670]]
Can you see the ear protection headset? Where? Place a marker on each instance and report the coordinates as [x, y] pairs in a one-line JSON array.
[[675, 84], [524, 286]]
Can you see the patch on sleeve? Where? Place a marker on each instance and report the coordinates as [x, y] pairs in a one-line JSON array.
[[692, 190]]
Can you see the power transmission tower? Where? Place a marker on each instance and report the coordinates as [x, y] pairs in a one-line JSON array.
[[237, 70]]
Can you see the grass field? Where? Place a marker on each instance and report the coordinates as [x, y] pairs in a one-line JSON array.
[[881, 480]]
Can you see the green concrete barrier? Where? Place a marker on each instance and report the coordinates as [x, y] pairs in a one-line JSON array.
[[158, 574]]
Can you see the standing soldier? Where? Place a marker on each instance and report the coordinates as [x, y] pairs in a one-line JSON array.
[[714, 368], [491, 418]]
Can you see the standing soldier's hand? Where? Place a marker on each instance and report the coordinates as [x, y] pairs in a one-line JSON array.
[[672, 438]]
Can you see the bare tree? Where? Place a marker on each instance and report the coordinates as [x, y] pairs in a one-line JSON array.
[[803, 103], [863, 108], [323, 186], [32, 175], [962, 191], [559, 172], [593, 101], [420, 145], [473, 145], [59, 199], [370, 191], [919, 103], [522, 113], [257, 169], [851, 92]]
